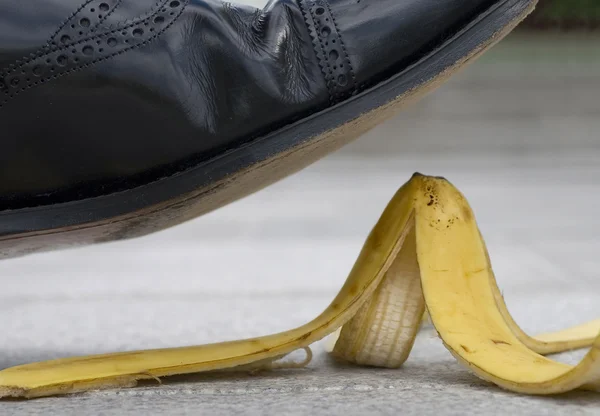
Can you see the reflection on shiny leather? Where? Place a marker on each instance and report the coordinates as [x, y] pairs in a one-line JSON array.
[[102, 95]]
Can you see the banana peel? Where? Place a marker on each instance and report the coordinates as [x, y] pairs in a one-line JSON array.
[[425, 261]]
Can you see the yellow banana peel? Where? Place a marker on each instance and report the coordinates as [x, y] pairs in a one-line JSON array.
[[424, 257]]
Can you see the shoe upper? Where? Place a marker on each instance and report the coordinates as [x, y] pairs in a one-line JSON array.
[[98, 96]]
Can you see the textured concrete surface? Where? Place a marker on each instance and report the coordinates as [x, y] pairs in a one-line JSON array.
[[524, 149]]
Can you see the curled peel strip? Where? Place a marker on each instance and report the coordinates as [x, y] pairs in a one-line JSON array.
[[424, 254]]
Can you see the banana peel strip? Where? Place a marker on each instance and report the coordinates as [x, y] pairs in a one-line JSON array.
[[424, 257]]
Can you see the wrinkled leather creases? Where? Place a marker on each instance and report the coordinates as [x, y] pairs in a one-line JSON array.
[[100, 96]]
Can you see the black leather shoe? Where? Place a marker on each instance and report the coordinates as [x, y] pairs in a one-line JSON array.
[[121, 117]]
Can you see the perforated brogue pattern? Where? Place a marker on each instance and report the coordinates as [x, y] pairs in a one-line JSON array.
[[84, 39], [330, 49]]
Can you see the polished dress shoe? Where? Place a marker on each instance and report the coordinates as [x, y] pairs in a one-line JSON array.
[[122, 117]]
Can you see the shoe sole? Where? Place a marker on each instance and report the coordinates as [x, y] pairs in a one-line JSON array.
[[253, 166]]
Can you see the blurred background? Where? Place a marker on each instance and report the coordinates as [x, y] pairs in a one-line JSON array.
[[517, 132]]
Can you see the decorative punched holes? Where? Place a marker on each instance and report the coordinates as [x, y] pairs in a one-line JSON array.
[[62, 60], [87, 50], [87, 37], [329, 49]]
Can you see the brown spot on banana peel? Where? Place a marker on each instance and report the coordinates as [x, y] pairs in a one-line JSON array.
[[464, 347], [497, 342]]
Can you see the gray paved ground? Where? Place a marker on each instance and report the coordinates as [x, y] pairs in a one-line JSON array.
[[517, 133]]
